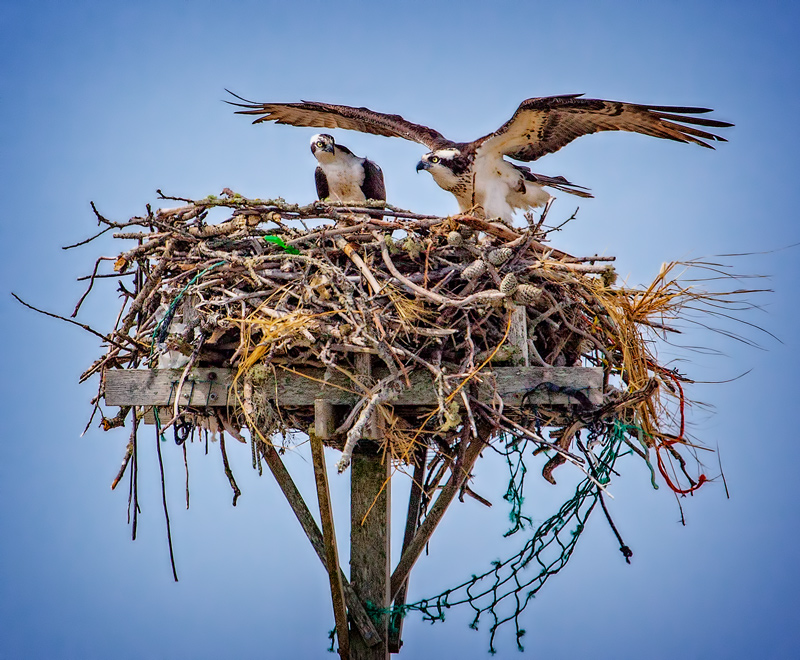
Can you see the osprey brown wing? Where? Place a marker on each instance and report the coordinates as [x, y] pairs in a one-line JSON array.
[[543, 125], [326, 115]]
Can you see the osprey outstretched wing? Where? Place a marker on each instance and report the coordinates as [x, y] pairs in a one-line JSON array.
[[543, 125], [326, 115], [477, 172]]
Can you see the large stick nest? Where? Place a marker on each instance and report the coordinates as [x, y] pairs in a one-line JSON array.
[[280, 286]]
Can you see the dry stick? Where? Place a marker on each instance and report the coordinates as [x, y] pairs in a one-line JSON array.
[[564, 442], [576, 330], [549, 445], [366, 627], [345, 247], [458, 476], [481, 296], [63, 318], [88, 240], [382, 392], [472, 425], [331, 551], [186, 467], [498, 229], [442, 300], [192, 359], [328, 232], [153, 281], [125, 460], [133, 493], [225, 464], [101, 276], [91, 284], [164, 500], [566, 266]]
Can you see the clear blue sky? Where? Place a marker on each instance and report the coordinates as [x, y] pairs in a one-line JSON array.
[[108, 101]]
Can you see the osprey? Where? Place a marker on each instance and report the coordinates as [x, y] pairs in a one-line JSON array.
[[343, 176], [477, 172]]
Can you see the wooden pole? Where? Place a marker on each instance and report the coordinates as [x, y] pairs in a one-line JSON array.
[[331, 552], [369, 542], [358, 614]]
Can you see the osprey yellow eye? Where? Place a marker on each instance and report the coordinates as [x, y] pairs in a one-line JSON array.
[[435, 159], [320, 143]]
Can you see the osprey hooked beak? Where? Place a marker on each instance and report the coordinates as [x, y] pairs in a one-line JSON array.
[[423, 165]]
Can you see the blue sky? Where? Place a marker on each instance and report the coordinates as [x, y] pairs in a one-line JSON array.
[[109, 101]]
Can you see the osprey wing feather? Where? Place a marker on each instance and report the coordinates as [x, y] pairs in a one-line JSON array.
[[543, 125], [327, 115]]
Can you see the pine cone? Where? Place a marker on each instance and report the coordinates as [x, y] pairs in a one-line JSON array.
[[455, 239], [475, 269], [500, 256], [527, 294], [509, 284]]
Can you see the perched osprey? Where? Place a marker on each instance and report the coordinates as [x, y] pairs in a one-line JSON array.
[[477, 172], [343, 176]]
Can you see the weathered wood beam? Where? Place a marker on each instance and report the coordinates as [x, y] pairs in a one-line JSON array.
[[370, 522], [373, 429], [212, 387], [324, 420], [358, 614], [331, 551], [518, 335]]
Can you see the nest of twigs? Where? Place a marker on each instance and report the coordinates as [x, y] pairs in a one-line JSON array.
[[279, 286]]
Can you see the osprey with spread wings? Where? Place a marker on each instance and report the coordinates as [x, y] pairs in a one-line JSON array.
[[477, 173]]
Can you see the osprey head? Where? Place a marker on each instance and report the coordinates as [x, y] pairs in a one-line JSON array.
[[322, 144], [445, 166]]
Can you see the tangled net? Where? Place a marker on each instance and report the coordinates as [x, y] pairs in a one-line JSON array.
[[277, 287]]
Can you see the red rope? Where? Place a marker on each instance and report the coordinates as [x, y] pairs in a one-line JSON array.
[[671, 441]]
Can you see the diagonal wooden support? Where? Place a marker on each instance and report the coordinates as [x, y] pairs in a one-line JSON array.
[[356, 609], [458, 476], [412, 522], [331, 552]]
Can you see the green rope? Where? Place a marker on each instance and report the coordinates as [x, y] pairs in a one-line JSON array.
[[503, 592], [514, 454], [171, 309]]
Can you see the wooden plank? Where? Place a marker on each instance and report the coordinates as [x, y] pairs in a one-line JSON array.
[[412, 522], [331, 551], [369, 540], [211, 387], [361, 619], [158, 387], [458, 476]]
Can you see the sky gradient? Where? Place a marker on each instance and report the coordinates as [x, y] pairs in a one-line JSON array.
[[109, 101]]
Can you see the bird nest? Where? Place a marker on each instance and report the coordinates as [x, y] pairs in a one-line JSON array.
[[367, 299]]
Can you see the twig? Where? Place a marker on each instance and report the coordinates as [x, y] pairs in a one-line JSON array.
[[63, 318]]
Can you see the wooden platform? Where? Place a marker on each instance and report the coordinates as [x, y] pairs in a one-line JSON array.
[[556, 386]]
